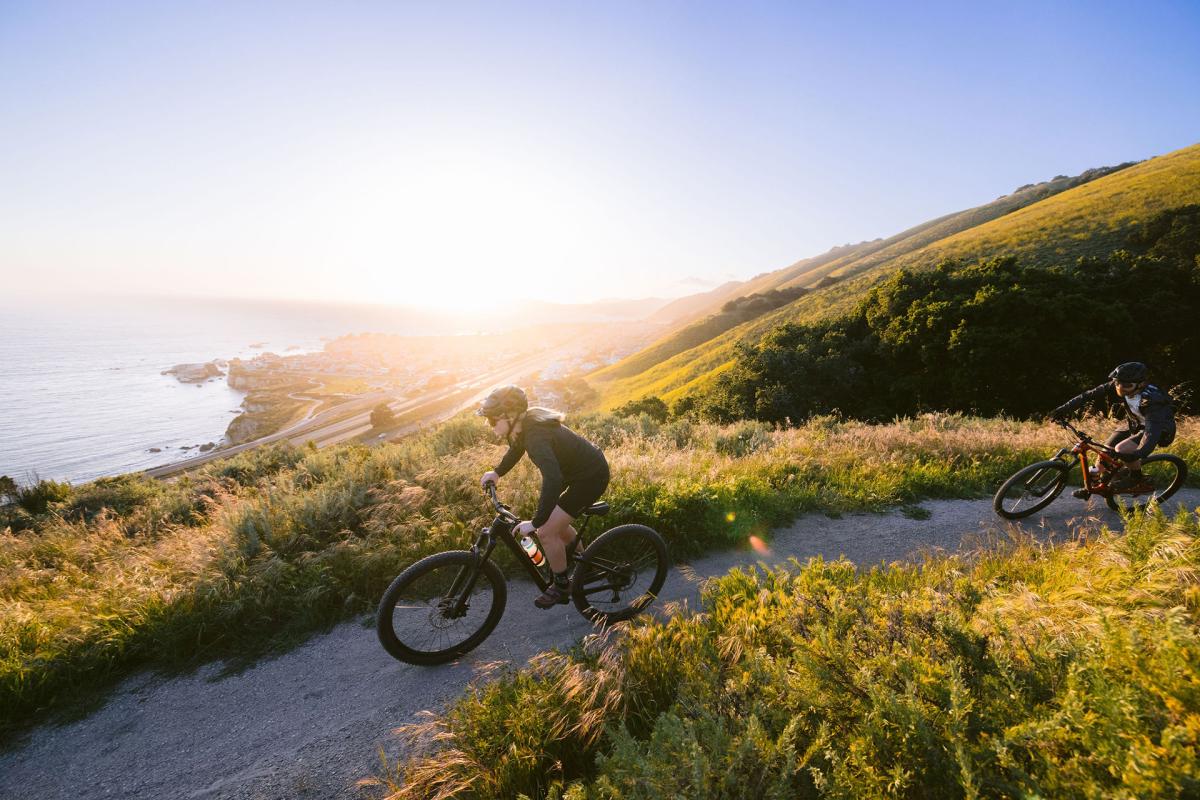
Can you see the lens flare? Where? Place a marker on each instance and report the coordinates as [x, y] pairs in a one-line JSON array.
[[730, 517], [759, 546]]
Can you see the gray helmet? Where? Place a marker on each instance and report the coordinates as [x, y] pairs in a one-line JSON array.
[[506, 401], [1131, 372]]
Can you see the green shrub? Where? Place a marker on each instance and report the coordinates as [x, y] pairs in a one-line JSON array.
[[39, 497], [652, 407], [680, 432], [259, 462], [120, 495], [608, 431], [743, 438]]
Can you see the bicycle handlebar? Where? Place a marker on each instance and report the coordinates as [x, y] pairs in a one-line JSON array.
[[501, 509], [1083, 437]]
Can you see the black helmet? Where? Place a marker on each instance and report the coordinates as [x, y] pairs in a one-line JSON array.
[[506, 401], [1131, 372]]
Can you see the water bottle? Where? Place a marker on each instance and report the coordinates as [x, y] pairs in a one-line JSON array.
[[531, 549]]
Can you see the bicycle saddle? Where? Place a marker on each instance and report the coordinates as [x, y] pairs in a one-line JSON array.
[[597, 509]]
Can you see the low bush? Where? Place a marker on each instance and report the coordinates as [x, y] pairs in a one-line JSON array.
[[38, 498]]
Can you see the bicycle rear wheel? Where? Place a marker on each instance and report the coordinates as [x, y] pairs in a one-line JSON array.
[[620, 573], [1163, 475], [1030, 489], [441, 607]]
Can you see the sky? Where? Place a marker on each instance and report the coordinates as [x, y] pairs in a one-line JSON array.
[[475, 153]]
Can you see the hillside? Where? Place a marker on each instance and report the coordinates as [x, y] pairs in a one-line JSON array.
[[1053, 223], [693, 307]]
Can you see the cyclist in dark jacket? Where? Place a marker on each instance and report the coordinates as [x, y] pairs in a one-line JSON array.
[[1147, 410], [574, 475]]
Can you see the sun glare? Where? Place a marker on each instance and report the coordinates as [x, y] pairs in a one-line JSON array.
[[456, 230]]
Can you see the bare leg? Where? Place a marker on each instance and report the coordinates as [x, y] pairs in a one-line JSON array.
[[555, 535], [1127, 446]]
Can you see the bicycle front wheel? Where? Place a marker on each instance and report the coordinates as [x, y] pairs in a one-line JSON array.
[[1162, 474], [620, 573], [1031, 489], [441, 607]]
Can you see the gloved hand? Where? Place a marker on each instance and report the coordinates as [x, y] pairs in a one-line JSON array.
[[488, 477], [525, 528], [1059, 414]]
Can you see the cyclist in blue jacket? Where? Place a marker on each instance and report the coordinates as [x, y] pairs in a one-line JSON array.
[[574, 475]]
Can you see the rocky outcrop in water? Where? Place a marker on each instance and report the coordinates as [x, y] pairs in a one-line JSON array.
[[196, 373]]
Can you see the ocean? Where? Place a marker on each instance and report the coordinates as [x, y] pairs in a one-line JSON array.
[[81, 389]]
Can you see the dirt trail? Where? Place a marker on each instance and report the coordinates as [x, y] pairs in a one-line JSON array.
[[311, 722]]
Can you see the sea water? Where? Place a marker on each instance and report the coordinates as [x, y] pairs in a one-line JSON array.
[[82, 392]]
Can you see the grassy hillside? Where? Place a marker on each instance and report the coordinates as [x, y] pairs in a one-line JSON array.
[[897, 248], [1024, 670], [688, 309], [257, 552], [986, 337], [702, 317], [1076, 220]]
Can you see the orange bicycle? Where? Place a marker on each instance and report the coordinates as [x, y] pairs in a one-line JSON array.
[[1035, 487]]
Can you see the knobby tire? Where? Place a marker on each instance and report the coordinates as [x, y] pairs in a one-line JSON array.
[[620, 574], [411, 621], [1160, 468], [1031, 489]]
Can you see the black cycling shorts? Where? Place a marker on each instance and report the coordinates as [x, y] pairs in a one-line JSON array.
[[1140, 437], [582, 492]]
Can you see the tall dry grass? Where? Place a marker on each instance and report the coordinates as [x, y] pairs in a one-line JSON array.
[[259, 551]]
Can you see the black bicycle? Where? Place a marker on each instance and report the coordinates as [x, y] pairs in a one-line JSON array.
[[446, 604], [1035, 487]]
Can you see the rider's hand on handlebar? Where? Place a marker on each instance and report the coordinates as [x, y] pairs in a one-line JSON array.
[[489, 477], [526, 528]]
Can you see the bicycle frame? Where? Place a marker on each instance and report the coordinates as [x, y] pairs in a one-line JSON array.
[[1105, 456], [501, 530]]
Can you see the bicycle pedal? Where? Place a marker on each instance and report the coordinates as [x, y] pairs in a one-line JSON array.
[[1081, 494]]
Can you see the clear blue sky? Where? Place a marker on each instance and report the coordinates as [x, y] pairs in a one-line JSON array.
[[440, 151]]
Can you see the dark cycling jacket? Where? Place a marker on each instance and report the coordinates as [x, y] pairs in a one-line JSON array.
[[562, 456], [1156, 407]]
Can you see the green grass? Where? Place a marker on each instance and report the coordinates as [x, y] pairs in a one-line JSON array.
[[1088, 219], [1023, 670], [257, 552]]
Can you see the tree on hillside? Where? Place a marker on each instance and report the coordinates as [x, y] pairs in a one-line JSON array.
[[573, 392], [653, 407], [382, 416]]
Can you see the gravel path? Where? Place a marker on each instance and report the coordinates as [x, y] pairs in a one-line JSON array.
[[310, 723]]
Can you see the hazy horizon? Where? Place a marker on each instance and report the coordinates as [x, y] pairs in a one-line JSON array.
[[436, 156]]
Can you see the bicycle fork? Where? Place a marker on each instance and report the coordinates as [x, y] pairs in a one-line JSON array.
[[464, 582]]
